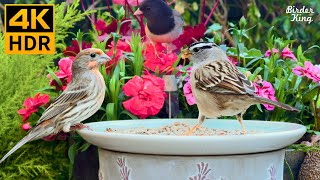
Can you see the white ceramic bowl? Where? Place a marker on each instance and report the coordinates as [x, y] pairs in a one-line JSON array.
[[275, 135]]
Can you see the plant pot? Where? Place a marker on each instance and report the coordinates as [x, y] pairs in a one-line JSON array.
[[144, 157]]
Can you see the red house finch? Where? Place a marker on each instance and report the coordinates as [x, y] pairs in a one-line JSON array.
[[219, 87], [80, 100]]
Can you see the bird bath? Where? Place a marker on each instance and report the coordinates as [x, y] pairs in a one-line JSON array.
[[158, 157]]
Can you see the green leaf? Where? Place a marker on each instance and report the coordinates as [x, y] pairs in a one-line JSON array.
[[110, 111], [120, 13], [129, 114], [84, 147], [72, 152], [310, 94], [242, 22], [54, 77], [213, 28]]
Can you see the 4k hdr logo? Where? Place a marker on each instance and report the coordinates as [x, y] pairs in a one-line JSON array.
[[29, 29]]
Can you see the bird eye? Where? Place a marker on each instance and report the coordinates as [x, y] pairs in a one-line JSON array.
[[196, 49], [93, 55]]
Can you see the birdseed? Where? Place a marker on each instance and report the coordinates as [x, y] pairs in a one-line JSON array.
[[178, 129]]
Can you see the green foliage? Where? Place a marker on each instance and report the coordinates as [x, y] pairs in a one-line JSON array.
[[21, 76]]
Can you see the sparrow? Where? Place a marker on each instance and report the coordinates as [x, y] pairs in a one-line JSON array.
[[164, 24], [218, 86], [81, 99]]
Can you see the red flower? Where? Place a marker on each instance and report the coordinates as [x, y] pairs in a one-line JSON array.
[[162, 62], [121, 47], [74, 49], [65, 73], [104, 30], [147, 95], [130, 2], [190, 33], [32, 105]]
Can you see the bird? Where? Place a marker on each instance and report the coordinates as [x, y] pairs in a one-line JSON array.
[[218, 86], [81, 99], [164, 25]]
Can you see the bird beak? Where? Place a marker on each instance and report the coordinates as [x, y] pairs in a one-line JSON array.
[[104, 58], [186, 54], [138, 12]]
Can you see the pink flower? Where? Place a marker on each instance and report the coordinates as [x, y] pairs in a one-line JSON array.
[[180, 71], [65, 73], [74, 49], [162, 62], [268, 53], [310, 71], [31, 105], [130, 2], [286, 53], [234, 60], [266, 91], [26, 126], [147, 95], [187, 91], [121, 48]]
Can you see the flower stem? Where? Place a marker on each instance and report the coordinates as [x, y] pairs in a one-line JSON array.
[[212, 10]]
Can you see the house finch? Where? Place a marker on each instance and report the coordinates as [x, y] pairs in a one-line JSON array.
[[219, 88], [80, 100]]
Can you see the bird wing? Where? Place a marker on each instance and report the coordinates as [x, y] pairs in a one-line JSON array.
[[66, 101], [222, 77]]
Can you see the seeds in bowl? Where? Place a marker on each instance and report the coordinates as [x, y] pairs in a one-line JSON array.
[[178, 129]]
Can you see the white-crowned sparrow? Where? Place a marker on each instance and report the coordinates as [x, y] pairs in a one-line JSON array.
[[219, 88]]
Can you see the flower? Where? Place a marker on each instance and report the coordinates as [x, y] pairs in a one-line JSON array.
[[310, 71], [147, 95], [74, 49], [121, 47], [65, 73], [234, 60], [266, 91], [268, 52], [286, 53], [130, 2], [187, 91], [31, 105], [159, 60], [26, 126], [104, 30], [189, 34]]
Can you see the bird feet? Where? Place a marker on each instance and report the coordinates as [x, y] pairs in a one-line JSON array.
[[79, 126], [192, 130]]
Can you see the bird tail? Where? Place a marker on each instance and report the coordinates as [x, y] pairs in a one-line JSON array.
[[22, 142], [278, 104]]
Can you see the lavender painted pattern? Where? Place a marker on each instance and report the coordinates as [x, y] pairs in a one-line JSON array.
[[203, 171], [124, 169], [272, 173]]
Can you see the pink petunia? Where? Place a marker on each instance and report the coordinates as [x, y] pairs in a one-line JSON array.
[[286, 53], [187, 91], [266, 90], [309, 70], [268, 52]]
